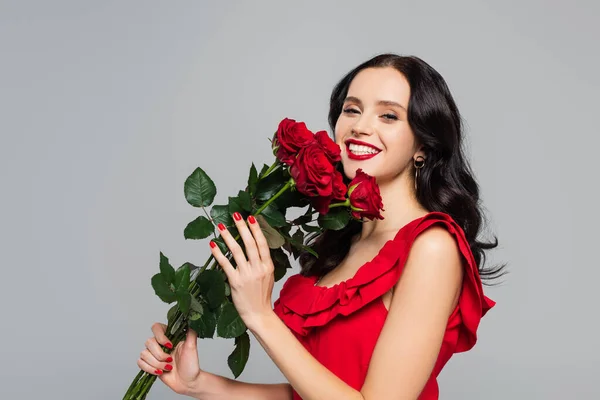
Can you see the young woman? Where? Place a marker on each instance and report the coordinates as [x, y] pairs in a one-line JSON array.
[[389, 301]]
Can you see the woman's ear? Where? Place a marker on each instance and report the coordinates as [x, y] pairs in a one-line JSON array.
[[420, 152]]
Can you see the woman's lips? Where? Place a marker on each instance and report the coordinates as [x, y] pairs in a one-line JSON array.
[[353, 156]]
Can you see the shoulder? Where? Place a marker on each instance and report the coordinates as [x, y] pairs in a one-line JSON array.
[[436, 241], [435, 258]]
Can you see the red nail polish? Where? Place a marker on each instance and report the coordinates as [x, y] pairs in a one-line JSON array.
[[221, 227], [158, 371], [169, 345], [168, 367], [212, 244], [169, 359], [237, 216], [251, 219]]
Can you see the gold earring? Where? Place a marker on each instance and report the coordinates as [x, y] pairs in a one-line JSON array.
[[419, 163]]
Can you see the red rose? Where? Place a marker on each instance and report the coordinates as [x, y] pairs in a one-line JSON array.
[[365, 199], [331, 148], [290, 137], [321, 204], [313, 172]]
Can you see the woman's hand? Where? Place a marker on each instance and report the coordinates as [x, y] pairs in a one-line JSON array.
[[253, 280], [180, 370]]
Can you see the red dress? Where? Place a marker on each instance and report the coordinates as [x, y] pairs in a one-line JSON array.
[[340, 325]]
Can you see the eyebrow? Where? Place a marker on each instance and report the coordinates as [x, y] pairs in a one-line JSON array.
[[380, 102]]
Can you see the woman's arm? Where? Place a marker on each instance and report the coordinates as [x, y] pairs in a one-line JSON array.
[[410, 340], [408, 346], [216, 387]]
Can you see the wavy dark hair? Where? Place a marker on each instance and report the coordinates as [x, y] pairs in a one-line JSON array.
[[446, 182]]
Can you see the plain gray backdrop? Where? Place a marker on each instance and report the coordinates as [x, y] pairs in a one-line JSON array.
[[108, 106]]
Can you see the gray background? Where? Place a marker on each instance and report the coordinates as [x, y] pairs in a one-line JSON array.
[[108, 106]]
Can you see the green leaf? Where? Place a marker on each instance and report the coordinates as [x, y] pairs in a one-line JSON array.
[[199, 228], [167, 271], [230, 323], [336, 219], [227, 289], [162, 288], [270, 185], [189, 265], [291, 198], [182, 279], [244, 200], [234, 205], [205, 325], [171, 314], [176, 326], [194, 315], [264, 169], [221, 214], [298, 236], [212, 287], [199, 189], [184, 300], [274, 238], [196, 306], [303, 219], [285, 230], [273, 216], [239, 357], [281, 262], [311, 228], [252, 180]]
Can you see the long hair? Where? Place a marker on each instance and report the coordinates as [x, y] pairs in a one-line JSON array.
[[445, 183]]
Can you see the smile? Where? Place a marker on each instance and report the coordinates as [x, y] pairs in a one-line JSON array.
[[356, 152]]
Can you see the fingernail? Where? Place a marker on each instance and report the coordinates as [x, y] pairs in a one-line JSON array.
[[212, 244], [237, 216], [251, 219], [169, 359], [168, 367], [169, 345], [158, 371], [221, 227]]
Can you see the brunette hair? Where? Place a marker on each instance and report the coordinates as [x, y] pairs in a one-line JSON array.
[[445, 183]]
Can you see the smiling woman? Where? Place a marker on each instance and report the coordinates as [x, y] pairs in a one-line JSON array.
[[388, 300]]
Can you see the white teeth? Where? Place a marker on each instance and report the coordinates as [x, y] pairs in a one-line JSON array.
[[360, 150]]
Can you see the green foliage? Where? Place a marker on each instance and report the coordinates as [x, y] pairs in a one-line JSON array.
[[199, 189], [336, 219], [239, 357], [230, 324], [199, 228]]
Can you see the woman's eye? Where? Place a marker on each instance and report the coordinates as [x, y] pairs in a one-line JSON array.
[[390, 116], [350, 110]]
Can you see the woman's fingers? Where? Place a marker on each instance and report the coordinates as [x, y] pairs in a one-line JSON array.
[[236, 250], [151, 360], [261, 242], [159, 330], [247, 238], [153, 347], [144, 366], [223, 262]]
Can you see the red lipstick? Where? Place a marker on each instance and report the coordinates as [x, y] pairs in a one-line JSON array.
[[353, 156]]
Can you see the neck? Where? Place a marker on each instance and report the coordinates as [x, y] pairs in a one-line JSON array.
[[401, 207]]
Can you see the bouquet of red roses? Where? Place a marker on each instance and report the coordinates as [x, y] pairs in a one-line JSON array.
[[304, 174]]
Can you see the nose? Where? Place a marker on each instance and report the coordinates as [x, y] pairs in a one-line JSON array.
[[362, 127]]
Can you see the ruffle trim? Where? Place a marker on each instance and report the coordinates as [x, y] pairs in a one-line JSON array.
[[303, 306]]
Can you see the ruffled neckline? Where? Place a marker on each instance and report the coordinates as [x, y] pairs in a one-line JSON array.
[[361, 276], [303, 306]]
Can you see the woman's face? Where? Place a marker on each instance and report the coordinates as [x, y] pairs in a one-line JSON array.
[[374, 112]]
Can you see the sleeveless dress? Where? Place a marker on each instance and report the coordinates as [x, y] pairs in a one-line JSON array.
[[340, 325]]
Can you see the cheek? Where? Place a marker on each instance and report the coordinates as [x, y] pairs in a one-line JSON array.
[[401, 140]]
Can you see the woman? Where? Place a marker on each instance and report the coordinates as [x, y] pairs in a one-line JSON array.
[[389, 300]]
